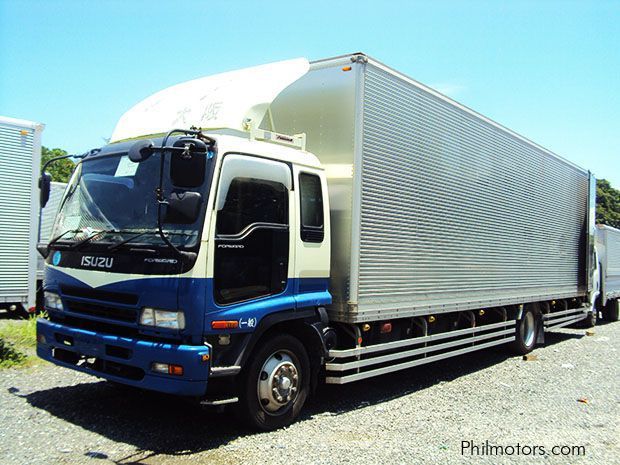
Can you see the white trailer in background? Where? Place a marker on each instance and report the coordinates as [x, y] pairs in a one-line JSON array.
[[608, 247], [20, 156]]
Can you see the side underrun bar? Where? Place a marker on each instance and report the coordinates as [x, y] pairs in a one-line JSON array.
[[365, 362]]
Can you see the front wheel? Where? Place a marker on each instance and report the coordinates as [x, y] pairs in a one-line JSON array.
[[275, 384], [587, 322], [527, 330]]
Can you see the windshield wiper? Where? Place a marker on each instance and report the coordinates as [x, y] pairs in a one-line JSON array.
[[91, 237], [121, 243], [98, 234], [60, 236]]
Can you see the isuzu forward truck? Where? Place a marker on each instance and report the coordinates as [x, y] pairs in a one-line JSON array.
[[248, 235]]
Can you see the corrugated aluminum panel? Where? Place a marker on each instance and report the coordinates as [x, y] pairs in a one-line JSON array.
[[608, 245], [18, 142], [457, 212]]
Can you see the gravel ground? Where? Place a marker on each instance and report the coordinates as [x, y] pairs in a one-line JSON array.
[[51, 415]]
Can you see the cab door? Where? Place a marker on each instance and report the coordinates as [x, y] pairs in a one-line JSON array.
[[252, 237], [311, 238]]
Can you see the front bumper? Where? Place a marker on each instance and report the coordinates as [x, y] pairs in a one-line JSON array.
[[123, 359]]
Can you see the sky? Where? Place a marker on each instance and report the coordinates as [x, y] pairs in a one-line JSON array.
[[549, 70]]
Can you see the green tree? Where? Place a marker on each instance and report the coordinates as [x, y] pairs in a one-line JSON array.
[[607, 204], [60, 170]]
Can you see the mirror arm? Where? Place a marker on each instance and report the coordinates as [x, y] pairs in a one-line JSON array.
[[62, 157]]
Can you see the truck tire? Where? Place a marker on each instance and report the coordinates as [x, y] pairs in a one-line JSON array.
[[590, 321], [275, 384], [526, 332], [611, 310]]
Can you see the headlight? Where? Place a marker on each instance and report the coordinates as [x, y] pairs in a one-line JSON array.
[[52, 301], [162, 318]]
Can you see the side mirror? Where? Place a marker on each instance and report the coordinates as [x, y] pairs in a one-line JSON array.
[[45, 183], [183, 207], [141, 150], [43, 250], [188, 167]]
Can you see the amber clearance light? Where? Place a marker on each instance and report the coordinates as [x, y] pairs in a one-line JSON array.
[[224, 324]]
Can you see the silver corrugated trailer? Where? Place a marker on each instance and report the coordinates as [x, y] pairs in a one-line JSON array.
[[48, 216], [608, 247], [20, 154], [435, 208]]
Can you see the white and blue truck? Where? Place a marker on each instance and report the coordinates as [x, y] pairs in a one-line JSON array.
[[248, 235]]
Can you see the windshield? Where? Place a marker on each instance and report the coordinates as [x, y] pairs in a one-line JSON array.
[[111, 199]]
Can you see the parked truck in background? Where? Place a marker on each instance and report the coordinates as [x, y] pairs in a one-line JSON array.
[[20, 154], [608, 248], [248, 235]]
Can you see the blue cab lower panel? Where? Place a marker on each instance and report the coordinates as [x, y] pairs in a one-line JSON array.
[[124, 360]]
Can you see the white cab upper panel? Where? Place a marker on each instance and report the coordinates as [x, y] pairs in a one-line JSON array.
[[219, 101]]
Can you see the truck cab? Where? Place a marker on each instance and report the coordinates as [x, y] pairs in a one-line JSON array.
[[174, 256]]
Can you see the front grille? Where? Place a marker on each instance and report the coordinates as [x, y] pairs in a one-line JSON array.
[[103, 311], [97, 326], [95, 294]]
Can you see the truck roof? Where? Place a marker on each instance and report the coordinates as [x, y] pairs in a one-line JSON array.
[[610, 228], [21, 123], [226, 100]]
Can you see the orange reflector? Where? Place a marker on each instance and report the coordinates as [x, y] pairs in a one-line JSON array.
[[205, 357], [175, 370], [23, 132], [346, 68], [224, 324]]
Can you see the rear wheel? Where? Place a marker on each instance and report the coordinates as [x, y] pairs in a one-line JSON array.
[[275, 384], [527, 330]]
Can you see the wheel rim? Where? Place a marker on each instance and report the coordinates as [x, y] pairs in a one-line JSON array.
[[278, 383], [529, 326]]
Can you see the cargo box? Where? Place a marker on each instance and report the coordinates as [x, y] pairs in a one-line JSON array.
[[434, 207]]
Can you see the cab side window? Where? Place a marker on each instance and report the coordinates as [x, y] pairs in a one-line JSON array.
[[250, 201], [311, 202]]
